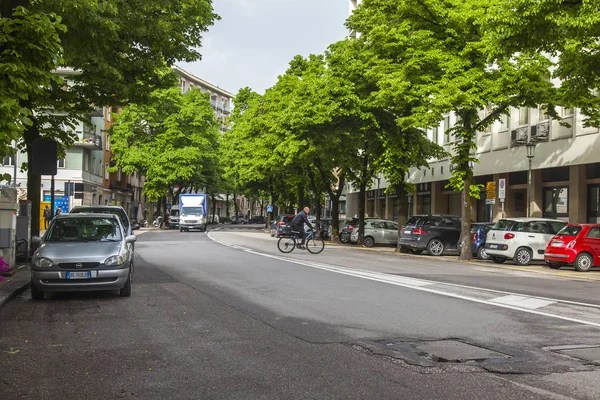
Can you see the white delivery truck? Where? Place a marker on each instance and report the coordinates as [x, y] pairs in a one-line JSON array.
[[192, 212]]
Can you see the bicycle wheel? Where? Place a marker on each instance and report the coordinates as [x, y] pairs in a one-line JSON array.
[[314, 245], [286, 244]]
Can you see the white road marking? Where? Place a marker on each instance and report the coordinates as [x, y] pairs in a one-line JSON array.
[[531, 303], [512, 301]]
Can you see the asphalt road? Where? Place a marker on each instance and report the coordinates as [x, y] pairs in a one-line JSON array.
[[226, 316]]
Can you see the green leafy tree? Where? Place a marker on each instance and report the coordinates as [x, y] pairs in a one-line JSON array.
[[566, 30], [173, 141], [435, 51], [119, 50]]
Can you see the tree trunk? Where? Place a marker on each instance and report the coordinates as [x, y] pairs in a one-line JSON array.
[[466, 253], [402, 209], [213, 198], [227, 213], [34, 182], [361, 213]]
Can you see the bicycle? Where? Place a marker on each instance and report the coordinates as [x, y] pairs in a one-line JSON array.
[[313, 244]]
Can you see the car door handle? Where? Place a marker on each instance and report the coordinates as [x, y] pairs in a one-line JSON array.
[[531, 236]]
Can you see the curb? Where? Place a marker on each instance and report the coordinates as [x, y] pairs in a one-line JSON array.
[[11, 289]]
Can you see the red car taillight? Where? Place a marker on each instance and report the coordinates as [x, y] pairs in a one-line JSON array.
[[351, 227], [508, 236], [474, 237], [281, 223], [418, 231]]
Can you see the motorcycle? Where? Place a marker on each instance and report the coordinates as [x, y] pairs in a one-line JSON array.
[[158, 222]]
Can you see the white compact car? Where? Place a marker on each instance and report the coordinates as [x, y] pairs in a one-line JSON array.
[[521, 239]]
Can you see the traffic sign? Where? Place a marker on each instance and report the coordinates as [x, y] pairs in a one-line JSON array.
[[502, 188], [269, 208], [490, 201], [490, 189]]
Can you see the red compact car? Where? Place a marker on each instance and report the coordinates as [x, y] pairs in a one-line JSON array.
[[575, 244]]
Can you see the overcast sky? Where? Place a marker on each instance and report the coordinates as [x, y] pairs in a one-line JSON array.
[[256, 39]]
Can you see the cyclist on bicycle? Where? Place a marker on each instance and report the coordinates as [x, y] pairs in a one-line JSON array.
[[297, 224]]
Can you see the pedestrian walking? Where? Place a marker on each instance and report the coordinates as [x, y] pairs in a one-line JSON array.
[[47, 217]]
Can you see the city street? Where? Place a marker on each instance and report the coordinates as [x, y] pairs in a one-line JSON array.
[[225, 315]]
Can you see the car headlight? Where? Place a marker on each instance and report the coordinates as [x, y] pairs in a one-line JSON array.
[[43, 262], [114, 260]]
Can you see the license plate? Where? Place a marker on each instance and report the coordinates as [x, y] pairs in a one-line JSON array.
[[79, 275], [493, 246], [557, 244], [409, 232]]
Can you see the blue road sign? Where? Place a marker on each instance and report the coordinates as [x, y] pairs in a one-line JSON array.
[[269, 208], [61, 202]]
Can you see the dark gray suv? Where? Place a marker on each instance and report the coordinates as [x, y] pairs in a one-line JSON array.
[[434, 233]]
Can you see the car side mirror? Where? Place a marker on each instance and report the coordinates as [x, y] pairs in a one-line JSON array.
[[135, 227], [131, 239], [36, 240]]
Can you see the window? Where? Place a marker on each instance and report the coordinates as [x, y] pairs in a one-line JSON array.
[[8, 161], [435, 135], [487, 111], [86, 162], [538, 227], [594, 233], [107, 141], [106, 173], [570, 230], [566, 112], [556, 201], [523, 116], [61, 163], [447, 129], [107, 109], [556, 226], [391, 226], [503, 122], [543, 114], [94, 165], [377, 225]]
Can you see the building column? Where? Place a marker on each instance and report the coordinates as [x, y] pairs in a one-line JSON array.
[[577, 194], [536, 193], [438, 205]]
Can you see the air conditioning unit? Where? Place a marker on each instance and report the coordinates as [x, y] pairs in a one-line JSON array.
[[519, 136], [540, 132]]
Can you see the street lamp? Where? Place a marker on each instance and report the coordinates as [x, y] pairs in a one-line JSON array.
[[530, 146]]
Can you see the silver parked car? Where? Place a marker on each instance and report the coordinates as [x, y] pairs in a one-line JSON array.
[[377, 231], [81, 252]]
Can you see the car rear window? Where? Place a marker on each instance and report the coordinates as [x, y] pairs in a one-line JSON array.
[[412, 221], [502, 225], [557, 226], [570, 230]]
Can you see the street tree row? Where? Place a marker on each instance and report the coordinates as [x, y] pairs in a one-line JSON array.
[[118, 49], [364, 106]]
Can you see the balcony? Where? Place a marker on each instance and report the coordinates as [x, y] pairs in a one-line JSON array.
[[88, 140]]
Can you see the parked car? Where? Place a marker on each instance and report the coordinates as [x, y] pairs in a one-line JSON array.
[[115, 210], [377, 231], [479, 232], [434, 233], [521, 239], [259, 220], [280, 226], [173, 220], [575, 244], [349, 226], [240, 219], [83, 251]]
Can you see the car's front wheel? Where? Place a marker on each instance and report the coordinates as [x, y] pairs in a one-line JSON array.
[[369, 241], [435, 247], [584, 262], [126, 291], [36, 294]]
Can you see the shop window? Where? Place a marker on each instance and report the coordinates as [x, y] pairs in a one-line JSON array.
[[520, 201], [593, 211], [559, 174], [556, 202], [592, 171], [517, 178]]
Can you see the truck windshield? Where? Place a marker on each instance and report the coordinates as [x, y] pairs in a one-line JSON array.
[[192, 210]]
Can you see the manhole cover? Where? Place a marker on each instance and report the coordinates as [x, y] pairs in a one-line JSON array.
[[455, 351]]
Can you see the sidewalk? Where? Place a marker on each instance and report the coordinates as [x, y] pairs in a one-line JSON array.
[[15, 282]]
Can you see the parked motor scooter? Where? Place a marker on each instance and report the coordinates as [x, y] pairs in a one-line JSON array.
[[158, 222]]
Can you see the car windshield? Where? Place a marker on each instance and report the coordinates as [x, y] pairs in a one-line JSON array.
[[90, 210], [502, 225], [192, 211], [570, 230], [174, 213], [84, 230]]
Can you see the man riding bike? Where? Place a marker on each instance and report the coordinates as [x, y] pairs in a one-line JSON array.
[[297, 224]]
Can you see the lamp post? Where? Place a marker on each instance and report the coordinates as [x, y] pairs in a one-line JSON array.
[[530, 146]]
